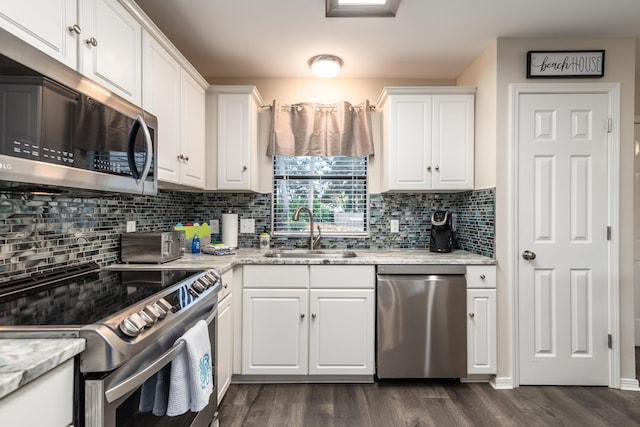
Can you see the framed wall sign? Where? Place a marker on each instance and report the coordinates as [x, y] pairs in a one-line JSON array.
[[565, 63]]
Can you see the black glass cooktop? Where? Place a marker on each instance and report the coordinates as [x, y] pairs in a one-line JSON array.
[[83, 299]]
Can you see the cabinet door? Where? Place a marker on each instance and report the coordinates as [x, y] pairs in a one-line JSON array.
[[274, 331], [44, 24], [111, 47], [224, 355], [410, 142], [452, 142], [481, 331], [45, 402], [341, 332], [192, 130], [161, 97], [234, 141]]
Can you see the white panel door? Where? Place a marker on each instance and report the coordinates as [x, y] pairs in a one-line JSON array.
[[481, 331], [192, 142], [453, 142], [562, 215], [410, 142], [341, 332], [636, 228], [112, 48], [234, 156], [274, 331], [161, 97], [45, 24], [224, 346]]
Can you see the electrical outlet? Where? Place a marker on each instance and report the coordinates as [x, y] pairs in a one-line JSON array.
[[247, 226], [131, 226], [215, 226], [394, 224]]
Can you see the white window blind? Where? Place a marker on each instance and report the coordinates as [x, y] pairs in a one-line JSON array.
[[334, 188]]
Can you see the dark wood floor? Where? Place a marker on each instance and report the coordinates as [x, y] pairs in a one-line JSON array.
[[427, 403]]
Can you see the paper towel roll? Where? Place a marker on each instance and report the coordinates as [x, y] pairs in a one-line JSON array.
[[230, 230]]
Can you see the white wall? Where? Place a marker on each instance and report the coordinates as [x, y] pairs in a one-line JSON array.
[[619, 67], [482, 73]]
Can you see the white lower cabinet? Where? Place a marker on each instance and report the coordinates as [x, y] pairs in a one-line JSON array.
[[224, 354], [340, 331], [324, 326], [46, 401], [274, 331], [481, 320]]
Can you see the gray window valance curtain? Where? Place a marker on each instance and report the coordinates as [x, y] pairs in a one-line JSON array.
[[310, 129]]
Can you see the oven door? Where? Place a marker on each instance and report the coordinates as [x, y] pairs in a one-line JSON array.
[[120, 398]]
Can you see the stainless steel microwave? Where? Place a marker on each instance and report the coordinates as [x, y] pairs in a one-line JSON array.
[[59, 128]]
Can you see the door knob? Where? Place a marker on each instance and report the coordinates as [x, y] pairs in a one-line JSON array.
[[528, 255]]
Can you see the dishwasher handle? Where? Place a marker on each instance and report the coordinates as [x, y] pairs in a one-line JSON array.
[[439, 269]]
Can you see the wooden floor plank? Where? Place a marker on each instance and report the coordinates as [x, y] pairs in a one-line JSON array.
[[427, 403]]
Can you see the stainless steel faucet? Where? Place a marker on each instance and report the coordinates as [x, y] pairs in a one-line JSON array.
[[296, 216]]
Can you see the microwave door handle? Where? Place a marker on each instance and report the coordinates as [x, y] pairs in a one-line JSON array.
[[133, 382], [138, 124]]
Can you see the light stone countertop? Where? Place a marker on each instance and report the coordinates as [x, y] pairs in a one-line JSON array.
[[23, 360], [223, 263]]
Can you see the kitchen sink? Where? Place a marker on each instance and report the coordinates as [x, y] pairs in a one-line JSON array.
[[316, 253]]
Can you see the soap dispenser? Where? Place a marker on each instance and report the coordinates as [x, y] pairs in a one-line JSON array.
[[265, 240], [195, 244]]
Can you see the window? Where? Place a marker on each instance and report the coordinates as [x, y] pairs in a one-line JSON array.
[[334, 188]]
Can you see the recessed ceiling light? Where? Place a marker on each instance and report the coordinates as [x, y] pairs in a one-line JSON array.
[[362, 8]]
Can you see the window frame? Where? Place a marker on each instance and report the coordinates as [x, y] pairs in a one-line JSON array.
[[297, 234]]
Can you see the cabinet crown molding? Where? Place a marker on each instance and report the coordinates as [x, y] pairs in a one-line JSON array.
[[424, 90]]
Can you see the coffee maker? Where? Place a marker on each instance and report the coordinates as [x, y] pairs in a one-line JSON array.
[[443, 232]]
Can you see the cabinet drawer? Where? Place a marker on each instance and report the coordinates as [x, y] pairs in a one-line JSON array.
[[342, 276], [481, 276], [275, 276], [227, 284]]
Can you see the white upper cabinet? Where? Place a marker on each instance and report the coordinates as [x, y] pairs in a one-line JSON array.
[[54, 29], [192, 143], [178, 102], [235, 126], [111, 47], [428, 138], [98, 38]]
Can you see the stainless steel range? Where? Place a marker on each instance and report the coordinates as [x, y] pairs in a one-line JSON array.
[[130, 320]]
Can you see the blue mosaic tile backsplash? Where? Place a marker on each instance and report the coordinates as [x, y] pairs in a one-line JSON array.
[[42, 232]]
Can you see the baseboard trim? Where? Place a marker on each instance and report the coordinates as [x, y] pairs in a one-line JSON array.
[[501, 383], [629, 384]]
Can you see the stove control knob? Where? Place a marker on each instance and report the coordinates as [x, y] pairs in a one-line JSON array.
[[148, 320], [161, 311], [215, 276], [150, 315], [199, 286], [132, 325], [163, 304], [206, 281]]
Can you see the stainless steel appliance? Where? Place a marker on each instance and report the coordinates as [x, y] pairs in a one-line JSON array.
[[443, 231], [130, 324], [58, 128], [421, 327], [153, 247]]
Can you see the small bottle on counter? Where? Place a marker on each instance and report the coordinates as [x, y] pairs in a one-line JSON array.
[[195, 244], [265, 240]]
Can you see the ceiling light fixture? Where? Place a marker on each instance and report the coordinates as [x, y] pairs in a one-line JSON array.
[[362, 8], [325, 66]]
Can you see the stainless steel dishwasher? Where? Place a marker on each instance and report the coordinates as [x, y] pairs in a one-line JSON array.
[[421, 329]]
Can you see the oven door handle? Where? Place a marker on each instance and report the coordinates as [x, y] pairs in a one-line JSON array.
[[122, 388]]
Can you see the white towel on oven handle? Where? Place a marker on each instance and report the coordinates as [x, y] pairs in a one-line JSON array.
[[191, 382]]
